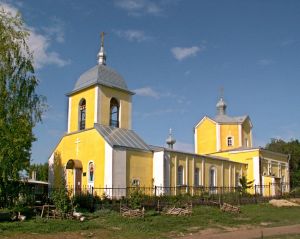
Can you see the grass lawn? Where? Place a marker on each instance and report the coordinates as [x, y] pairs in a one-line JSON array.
[[112, 225]]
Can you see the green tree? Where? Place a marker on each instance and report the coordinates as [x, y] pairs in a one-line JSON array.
[[41, 171], [245, 185], [59, 193], [293, 149], [20, 107]]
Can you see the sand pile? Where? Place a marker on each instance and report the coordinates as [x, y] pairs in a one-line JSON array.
[[283, 203]]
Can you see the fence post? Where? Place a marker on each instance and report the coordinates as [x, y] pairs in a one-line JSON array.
[[269, 189], [155, 187], [92, 207], [221, 197], [255, 195]]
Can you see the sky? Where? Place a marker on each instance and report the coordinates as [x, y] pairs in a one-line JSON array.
[[175, 55]]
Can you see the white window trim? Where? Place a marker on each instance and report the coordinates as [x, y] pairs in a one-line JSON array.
[[232, 141], [69, 114], [215, 176], [199, 177], [246, 142], [137, 180], [269, 168], [88, 173], [183, 181]]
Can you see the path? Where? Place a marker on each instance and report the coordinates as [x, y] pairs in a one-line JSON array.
[[204, 234], [248, 233]]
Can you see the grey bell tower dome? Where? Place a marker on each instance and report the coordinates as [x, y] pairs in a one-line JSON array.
[[101, 74]]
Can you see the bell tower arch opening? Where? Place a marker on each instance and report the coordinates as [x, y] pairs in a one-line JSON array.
[[82, 114], [114, 113]]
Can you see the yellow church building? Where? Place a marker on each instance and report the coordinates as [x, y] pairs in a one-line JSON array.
[[231, 137], [100, 149]]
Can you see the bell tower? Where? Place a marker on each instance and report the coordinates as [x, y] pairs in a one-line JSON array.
[[100, 96]]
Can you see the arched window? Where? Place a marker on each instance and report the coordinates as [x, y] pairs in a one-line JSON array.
[[91, 172], [180, 175], [212, 177], [197, 177], [82, 114], [114, 113]]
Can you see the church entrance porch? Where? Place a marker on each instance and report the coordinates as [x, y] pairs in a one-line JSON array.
[[74, 178]]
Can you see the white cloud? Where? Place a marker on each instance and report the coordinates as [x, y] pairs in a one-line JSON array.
[[56, 30], [148, 92], [132, 35], [139, 7], [8, 8], [264, 62], [181, 53], [130, 5], [39, 44]]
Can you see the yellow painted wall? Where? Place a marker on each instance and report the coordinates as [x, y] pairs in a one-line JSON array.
[[267, 189], [226, 174], [245, 157], [264, 166], [139, 166], [125, 106], [222, 176], [206, 137], [246, 133], [91, 148], [218, 165], [227, 130], [89, 96]]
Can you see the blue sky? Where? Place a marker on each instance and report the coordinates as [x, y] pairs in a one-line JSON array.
[[176, 55]]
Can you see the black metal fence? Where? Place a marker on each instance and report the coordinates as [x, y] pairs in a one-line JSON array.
[[268, 190], [152, 197], [199, 194]]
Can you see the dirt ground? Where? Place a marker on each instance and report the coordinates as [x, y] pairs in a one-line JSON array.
[[231, 233], [64, 235], [245, 233]]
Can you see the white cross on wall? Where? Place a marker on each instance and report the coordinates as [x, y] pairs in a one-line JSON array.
[[77, 146]]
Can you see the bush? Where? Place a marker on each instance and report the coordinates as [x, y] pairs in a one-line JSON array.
[[136, 198], [295, 192], [84, 201], [61, 201]]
